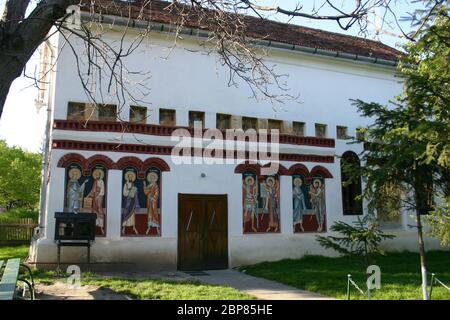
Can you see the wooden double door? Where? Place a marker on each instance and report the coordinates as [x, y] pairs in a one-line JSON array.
[[202, 232]]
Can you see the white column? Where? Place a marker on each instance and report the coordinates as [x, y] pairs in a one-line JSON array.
[[169, 205], [55, 200], [113, 205], [286, 206], [235, 206], [333, 197]]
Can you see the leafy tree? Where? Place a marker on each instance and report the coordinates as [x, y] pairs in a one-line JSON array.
[[408, 145], [361, 239], [439, 222], [20, 173]]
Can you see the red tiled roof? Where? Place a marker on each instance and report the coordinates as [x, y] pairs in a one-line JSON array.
[[158, 11]]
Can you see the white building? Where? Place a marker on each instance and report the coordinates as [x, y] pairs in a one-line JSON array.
[[154, 213]]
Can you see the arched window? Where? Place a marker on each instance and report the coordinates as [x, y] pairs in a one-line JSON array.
[[350, 204]]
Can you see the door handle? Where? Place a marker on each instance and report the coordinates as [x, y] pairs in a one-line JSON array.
[[189, 222], [212, 219]]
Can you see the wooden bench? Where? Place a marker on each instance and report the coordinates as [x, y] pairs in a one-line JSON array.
[[10, 276]]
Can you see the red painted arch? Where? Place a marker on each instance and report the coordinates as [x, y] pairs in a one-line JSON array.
[[129, 162], [319, 170], [70, 158], [100, 159], [156, 162], [299, 168], [243, 167]]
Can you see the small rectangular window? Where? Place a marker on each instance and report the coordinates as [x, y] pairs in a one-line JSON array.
[[249, 123], [76, 111], [89, 111], [167, 117], [107, 112], [341, 132], [321, 130], [275, 125], [298, 128], [223, 121], [360, 136], [138, 114], [196, 116]]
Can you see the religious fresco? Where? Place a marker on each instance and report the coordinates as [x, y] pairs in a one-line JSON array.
[[261, 203], [87, 193], [308, 196], [141, 202]]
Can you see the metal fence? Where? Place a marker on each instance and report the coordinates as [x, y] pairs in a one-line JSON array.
[[350, 283], [434, 281], [16, 231]]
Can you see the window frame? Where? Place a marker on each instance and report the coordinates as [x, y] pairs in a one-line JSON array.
[[144, 119], [345, 136], [350, 205], [228, 119], [303, 126], [249, 119], [321, 125], [191, 122], [174, 113]]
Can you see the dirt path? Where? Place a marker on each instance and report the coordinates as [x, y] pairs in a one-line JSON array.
[[60, 291]]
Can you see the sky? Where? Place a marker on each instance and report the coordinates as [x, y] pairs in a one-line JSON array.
[[23, 123]]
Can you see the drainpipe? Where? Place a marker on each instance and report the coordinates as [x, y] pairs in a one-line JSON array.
[[46, 155]]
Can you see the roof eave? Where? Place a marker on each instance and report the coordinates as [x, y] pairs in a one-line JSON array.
[[163, 27]]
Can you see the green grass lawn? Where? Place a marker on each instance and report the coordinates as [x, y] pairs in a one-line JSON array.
[[7, 252], [400, 274], [168, 290], [138, 289]]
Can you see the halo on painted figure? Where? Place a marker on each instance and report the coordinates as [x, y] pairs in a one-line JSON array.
[[98, 172], [74, 174], [249, 180], [270, 181], [152, 177], [298, 181], [318, 182], [130, 176]]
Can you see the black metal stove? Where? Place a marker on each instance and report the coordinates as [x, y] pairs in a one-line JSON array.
[[74, 230]]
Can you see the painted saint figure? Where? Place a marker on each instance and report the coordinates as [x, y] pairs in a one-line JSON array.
[[250, 202], [299, 203], [272, 189], [75, 191], [130, 192], [318, 202], [152, 192], [96, 194]]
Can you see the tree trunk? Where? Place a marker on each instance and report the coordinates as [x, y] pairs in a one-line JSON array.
[[10, 68], [423, 268]]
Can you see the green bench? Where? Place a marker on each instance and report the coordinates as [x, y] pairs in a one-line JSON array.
[[10, 275]]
